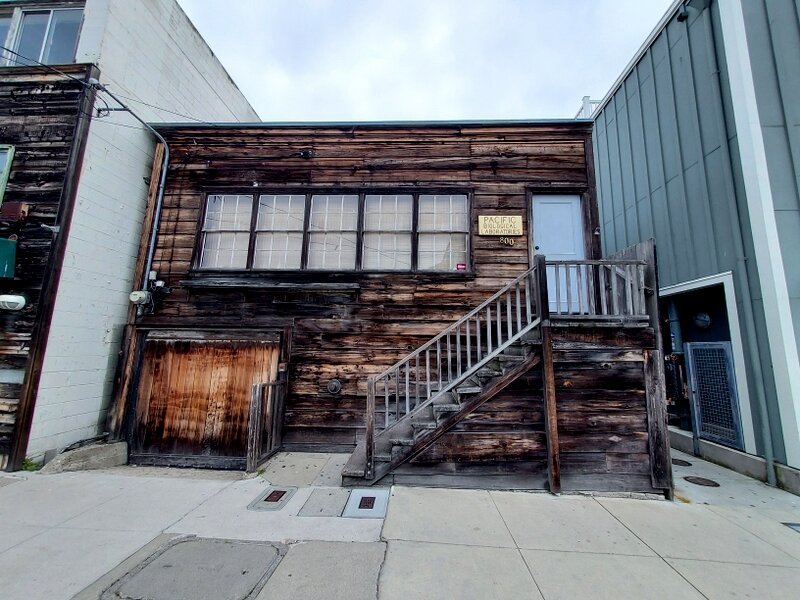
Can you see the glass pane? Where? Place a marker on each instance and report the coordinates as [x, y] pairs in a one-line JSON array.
[[332, 251], [278, 251], [228, 213], [388, 213], [442, 252], [3, 161], [31, 36], [439, 212], [387, 252], [334, 213], [224, 251], [5, 24], [62, 39], [281, 213]]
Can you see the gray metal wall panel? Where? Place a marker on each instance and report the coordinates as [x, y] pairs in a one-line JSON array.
[[663, 172], [773, 36]]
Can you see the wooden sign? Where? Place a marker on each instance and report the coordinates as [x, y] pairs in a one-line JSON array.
[[499, 225]]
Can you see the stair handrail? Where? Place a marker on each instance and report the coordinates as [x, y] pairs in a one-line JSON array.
[[536, 310]]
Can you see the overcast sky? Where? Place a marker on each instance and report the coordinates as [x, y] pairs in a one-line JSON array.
[[362, 60]]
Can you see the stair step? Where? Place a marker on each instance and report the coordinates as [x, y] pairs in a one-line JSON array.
[[402, 442], [511, 358], [423, 425], [382, 457], [446, 408], [469, 389], [488, 373]]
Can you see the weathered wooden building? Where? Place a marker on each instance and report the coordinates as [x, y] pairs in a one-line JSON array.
[[429, 296]]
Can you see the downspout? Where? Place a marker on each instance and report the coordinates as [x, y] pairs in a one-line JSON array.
[[741, 260], [151, 249]]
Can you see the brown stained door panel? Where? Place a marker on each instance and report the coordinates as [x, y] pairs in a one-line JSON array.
[[194, 396]]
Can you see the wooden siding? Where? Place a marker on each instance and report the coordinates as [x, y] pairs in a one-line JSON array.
[[349, 326], [41, 116]]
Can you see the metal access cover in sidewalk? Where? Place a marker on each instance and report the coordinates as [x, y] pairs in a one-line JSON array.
[[200, 569], [367, 504]]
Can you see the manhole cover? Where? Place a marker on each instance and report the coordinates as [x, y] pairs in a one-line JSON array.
[[273, 498], [701, 481], [367, 504], [679, 462], [795, 526]]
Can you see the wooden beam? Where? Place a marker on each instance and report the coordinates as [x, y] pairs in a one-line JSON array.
[[126, 365], [658, 435], [550, 412]]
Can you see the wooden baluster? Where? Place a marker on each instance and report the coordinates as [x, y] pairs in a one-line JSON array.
[[449, 359], [528, 299], [428, 373], [469, 345], [386, 401], [519, 307], [397, 393], [642, 305], [416, 381], [499, 323], [509, 319], [579, 275], [478, 335], [628, 291], [458, 352], [439, 361], [558, 288], [408, 390], [369, 442], [603, 292], [591, 289], [568, 282], [489, 330], [614, 293]]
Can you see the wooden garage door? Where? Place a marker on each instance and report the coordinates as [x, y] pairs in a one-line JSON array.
[[193, 401]]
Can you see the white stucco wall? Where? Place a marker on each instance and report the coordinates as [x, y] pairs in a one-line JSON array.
[[147, 50]]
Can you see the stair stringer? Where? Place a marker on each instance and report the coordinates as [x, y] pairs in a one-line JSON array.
[[424, 441]]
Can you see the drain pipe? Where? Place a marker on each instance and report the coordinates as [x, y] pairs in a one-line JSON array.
[[741, 260], [151, 248]]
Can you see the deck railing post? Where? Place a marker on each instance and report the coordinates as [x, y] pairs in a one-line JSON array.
[[369, 442], [542, 299]]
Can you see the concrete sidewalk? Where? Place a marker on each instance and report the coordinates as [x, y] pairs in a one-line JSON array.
[[79, 533]]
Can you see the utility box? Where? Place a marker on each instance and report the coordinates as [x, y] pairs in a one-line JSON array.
[[8, 257]]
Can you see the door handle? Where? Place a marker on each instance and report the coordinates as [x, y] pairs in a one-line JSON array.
[[536, 247]]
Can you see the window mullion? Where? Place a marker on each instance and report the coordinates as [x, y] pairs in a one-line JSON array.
[[46, 35], [251, 244], [306, 232], [360, 231], [414, 232]]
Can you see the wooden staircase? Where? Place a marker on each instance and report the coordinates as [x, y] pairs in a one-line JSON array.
[[416, 401]]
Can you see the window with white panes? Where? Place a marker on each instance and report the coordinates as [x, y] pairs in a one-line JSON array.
[[280, 226], [344, 232], [333, 232], [443, 232], [388, 231], [226, 232]]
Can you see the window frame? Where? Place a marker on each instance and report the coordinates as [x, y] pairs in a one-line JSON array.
[[361, 193], [14, 38], [6, 172]]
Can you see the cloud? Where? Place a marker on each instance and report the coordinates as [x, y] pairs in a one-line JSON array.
[[358, 60]]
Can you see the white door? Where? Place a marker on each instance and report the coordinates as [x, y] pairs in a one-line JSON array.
[[558, 234]]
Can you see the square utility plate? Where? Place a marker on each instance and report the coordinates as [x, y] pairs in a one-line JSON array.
[[367, 504], [273, 498]]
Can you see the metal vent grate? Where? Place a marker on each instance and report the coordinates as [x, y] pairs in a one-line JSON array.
[[714, 401]]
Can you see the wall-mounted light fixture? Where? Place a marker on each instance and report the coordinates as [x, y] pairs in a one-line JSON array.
[[12, 302]]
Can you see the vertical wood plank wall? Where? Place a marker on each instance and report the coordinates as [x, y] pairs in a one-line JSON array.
[[350, 334], [39, 113]]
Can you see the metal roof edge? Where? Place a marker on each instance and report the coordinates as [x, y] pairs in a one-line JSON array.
[[660, 26], [350, 124]]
